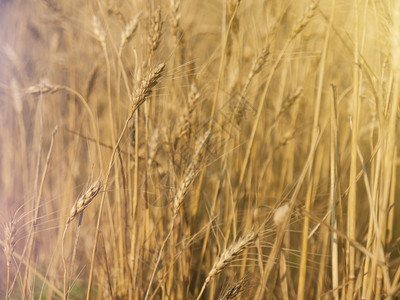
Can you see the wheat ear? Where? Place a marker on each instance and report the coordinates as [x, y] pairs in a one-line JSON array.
[[234, 290], [83, 201], [9, 247], [138, 98], [232, 252], [78, 208]]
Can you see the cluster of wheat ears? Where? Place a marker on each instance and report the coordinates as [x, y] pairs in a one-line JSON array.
[[199, 149]]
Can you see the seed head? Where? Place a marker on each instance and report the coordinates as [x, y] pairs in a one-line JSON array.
[[83, 201]]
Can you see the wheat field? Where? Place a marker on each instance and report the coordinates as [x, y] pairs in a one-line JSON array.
[[199, 149]]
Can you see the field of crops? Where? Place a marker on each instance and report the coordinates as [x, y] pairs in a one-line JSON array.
[[199, 149]]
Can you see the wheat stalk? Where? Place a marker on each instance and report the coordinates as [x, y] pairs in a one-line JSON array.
[[179, 197], [77, 209], [138, 98], [304, 20], [230, 254], [190, 174]]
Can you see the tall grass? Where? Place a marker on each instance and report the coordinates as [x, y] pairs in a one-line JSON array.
[[199, 149]]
